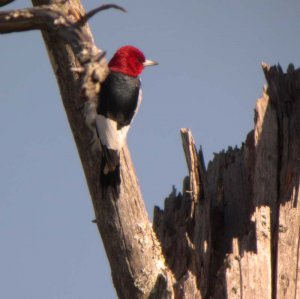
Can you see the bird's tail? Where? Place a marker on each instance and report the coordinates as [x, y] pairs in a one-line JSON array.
[[110, 170]]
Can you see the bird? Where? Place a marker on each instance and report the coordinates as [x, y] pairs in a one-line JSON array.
[[119, 99]]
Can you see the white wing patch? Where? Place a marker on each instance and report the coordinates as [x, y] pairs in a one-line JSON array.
[[107, 130], [109, 135]]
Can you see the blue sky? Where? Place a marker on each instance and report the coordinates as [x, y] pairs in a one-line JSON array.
[[208, 79]]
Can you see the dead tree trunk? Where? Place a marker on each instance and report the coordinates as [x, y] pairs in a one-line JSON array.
[[233, 232], [253, 193], [137, 264]]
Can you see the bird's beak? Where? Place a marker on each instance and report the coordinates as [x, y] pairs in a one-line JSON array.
[[149, 63]]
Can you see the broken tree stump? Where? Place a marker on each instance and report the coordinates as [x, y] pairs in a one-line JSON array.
[[234, 230]]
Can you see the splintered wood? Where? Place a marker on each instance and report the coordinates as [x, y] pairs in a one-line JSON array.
[[234, 230], [251, 196], [257, 209], [192, 160]]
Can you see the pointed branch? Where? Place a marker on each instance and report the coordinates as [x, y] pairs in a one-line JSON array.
[[46, 17], [94, 11], [192, 160]]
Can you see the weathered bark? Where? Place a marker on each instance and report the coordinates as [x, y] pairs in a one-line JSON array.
[[234, 230], [183, 227], [133, 252], [255, 216], [137, 264]]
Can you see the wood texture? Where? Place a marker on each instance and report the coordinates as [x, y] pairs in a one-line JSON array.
[[252, 194], [183, 227], [137, 264], [131, 246], [234, 230], [284, 94]]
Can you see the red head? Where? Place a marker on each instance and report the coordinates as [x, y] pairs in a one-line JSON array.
[[129, 61]]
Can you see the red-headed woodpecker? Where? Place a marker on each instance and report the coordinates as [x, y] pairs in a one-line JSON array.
[[119, 99]]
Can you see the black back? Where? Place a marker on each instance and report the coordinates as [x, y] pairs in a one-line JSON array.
[[119, 97]]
